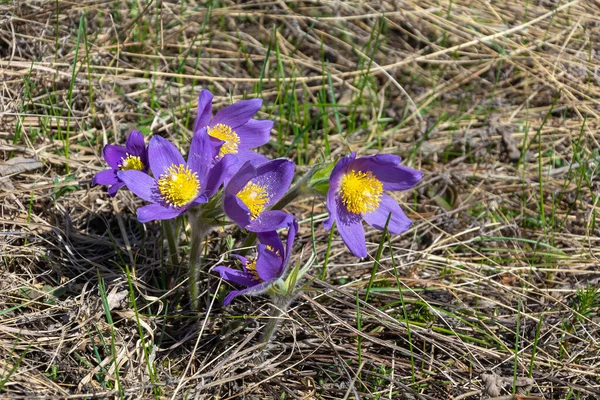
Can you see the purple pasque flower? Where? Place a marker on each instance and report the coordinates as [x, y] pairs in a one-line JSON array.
[[233, 130], [253, 189], [269, 265], [176, 185], [356, 192], [134, 156]]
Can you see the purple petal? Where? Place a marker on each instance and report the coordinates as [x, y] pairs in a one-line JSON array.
[[254, 133], [246, 172], [233, 294], [251, 291], [249, 155], [399, 222], [135, 144], [106, 177], [112, 191], [334, 182], [243, 156], [291, 237], [269, 221], [380, 159], [200, 156], [216, 146], [140, 183], [217, 174], [237, 114], [276, 176], [198, 200], [271, 238], [340, 167], [113, 155], [236, 276], [351, 230], [153, 212], [331, 205], [162, 154], [204, 110], [236, 210], [385, 168], [268, 264]]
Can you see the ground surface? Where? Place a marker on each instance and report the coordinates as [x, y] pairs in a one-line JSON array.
[[492, 292]]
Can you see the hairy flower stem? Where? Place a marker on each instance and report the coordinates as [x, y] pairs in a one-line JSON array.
[[278, 310], [199, 231], [170, 229]]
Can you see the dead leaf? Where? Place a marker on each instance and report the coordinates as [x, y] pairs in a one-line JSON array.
[[17, 165], [115, 298], [14, 166], [493, 384]]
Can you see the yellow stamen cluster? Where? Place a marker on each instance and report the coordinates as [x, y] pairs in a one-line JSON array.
[[178, 185], [255, 197], [251, 269], [361, 191], [131, 162], [226, 134]]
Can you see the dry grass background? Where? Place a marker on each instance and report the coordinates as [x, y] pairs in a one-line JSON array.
[[491, 294]]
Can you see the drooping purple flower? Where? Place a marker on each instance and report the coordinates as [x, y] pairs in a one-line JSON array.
[[253, 189], [356, 192], [176, 186], [269, 265], [134, 156], [233, 130]]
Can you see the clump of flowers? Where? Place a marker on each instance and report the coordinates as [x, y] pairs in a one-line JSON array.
[[222, 178]]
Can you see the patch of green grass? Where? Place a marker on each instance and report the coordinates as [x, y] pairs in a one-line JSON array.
[[586, 301]]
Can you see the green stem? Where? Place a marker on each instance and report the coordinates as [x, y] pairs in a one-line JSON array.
[[279, 308], [199, 231], [170, 234]]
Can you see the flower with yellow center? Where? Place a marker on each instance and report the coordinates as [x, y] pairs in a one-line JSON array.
[[255, 197], [356, 194], [360, 191], [263, 271], [132, 157], [131, 162], [251, 264], [228, 135], [178, 185], [253, 189]]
